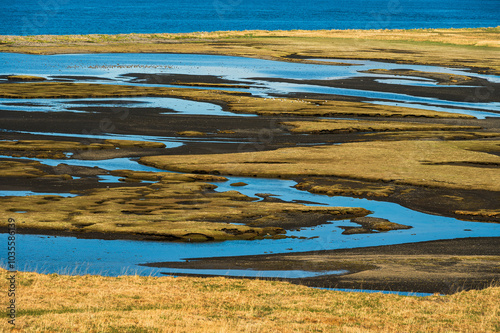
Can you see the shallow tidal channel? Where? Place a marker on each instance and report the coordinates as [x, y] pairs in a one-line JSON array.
[[71, 255]]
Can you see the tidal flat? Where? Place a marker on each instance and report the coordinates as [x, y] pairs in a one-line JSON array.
[[147, 138]]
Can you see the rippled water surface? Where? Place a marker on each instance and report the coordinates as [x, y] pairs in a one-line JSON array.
[[32, 17]]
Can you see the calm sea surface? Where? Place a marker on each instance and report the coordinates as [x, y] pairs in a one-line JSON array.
[[30, 17]]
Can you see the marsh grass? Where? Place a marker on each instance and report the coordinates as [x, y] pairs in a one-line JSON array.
[[61, 303], [57, 149], [343, 126], [444, 164], [25, 78], [177, 207]]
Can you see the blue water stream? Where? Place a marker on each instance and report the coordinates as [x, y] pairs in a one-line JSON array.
[[115, 257]]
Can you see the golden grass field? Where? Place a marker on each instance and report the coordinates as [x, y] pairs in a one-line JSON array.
[[59, 303]]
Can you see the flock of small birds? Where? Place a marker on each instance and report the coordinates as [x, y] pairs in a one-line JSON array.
[[120, 66]]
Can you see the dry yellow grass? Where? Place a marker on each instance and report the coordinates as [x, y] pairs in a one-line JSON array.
[[19, 169], [57, 303], [350, 188], [336, 126], [25, 78], [481, 212], [322, 108], [56, 149], [430, 135], [441, 78], [465, 36], [191, 133]]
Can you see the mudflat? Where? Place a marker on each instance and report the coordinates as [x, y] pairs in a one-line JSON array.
[[441, 163], [445, 266]]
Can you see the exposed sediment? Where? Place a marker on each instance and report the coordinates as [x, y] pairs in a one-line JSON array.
[[444, 266]]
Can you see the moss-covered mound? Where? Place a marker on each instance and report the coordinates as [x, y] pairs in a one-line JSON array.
[[178, 207]]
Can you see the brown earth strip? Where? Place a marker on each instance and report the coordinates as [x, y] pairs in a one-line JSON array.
[[482, 93], [444, 266]]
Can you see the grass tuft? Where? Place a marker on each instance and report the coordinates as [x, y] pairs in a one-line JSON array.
[[59, 303]]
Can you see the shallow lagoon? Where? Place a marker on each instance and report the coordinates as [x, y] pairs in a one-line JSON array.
[[110, 68], [115, 257]]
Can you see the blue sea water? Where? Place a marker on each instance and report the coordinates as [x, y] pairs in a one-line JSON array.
[[32, 17]]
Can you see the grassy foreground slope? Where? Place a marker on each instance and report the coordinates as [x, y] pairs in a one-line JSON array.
[[58, 303]]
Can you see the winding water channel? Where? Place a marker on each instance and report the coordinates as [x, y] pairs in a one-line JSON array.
[[115, 257]]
